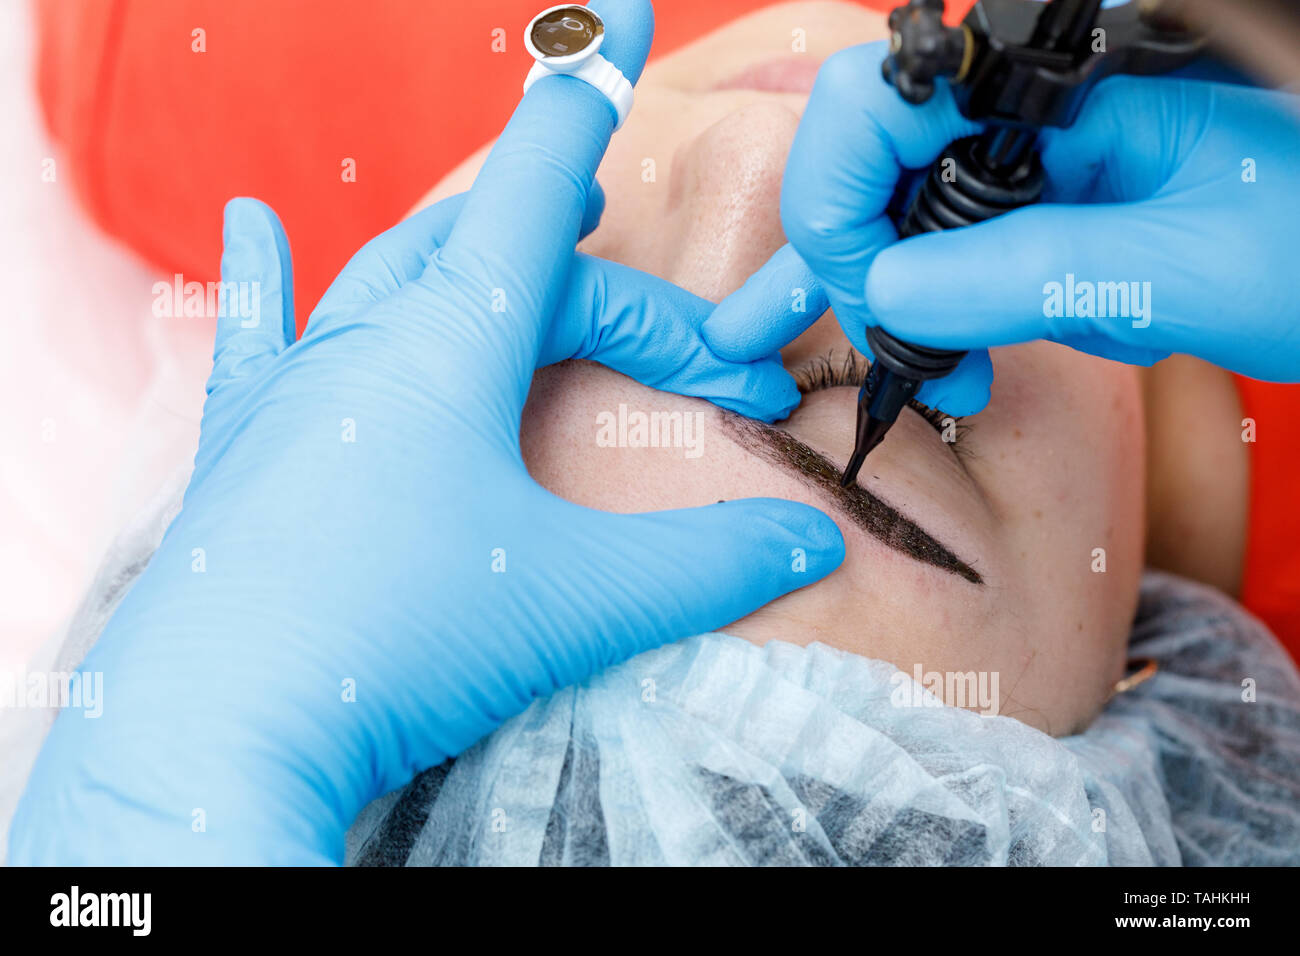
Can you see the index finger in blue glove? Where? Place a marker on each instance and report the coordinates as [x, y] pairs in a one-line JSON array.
[[775, 306], [1156, 166], [521, 221], [956, 290], [255, 319], [649, 329], [757, 320], [856, 137]]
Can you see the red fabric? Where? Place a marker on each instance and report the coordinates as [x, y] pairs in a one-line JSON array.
[[1271, 588], [158, 137]]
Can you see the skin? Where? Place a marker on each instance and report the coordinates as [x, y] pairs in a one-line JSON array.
[[1051, 471], [1198, 473]]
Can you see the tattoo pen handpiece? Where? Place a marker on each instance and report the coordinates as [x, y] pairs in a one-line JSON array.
[[974, 179], [1017, 66], [896, 375]]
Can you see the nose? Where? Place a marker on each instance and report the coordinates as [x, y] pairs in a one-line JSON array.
[[723, 212]]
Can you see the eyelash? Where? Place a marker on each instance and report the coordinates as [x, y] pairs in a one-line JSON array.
[[825, 372]]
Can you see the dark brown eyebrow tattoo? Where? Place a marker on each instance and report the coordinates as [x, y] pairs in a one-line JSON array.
[[879, 518]]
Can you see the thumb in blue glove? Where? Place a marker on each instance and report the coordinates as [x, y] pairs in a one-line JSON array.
[[351, 494]]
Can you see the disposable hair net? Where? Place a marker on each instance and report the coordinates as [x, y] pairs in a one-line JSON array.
[[714, 751]]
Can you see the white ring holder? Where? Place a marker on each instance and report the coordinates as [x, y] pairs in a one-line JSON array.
[[566, 40]]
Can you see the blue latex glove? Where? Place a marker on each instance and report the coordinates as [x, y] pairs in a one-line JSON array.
[[334, 569], [1146, 186]]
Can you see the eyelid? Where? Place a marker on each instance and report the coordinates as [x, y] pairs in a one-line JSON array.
[[825, 371]]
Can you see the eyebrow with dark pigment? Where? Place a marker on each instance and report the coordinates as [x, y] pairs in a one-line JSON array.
[[879, 518]]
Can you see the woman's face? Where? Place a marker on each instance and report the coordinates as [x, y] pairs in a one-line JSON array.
[[1013, 552]]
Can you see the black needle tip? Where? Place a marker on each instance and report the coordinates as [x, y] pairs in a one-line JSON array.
[[871, 432]]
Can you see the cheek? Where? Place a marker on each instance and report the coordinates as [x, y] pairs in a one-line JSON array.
[[1062, 455], [875, 604], [1061, 451], [589, 435]]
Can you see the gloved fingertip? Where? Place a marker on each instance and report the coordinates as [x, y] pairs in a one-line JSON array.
[[762, 389], [824, 538], [815, 541], [719, 333], [238, 207], [245, 214], [250, 231], [630, 30], [805, 290], [787, 398], [255, 319], [966, 391], [768, 408], [776, 305], [957, 403]]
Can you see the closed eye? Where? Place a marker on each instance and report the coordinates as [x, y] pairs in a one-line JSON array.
[[834, 371]]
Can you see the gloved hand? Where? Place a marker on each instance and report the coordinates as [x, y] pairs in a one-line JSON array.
[[363, 579], [1181, 184]]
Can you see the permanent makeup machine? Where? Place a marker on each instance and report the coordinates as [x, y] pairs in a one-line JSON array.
[[1015, 66]]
